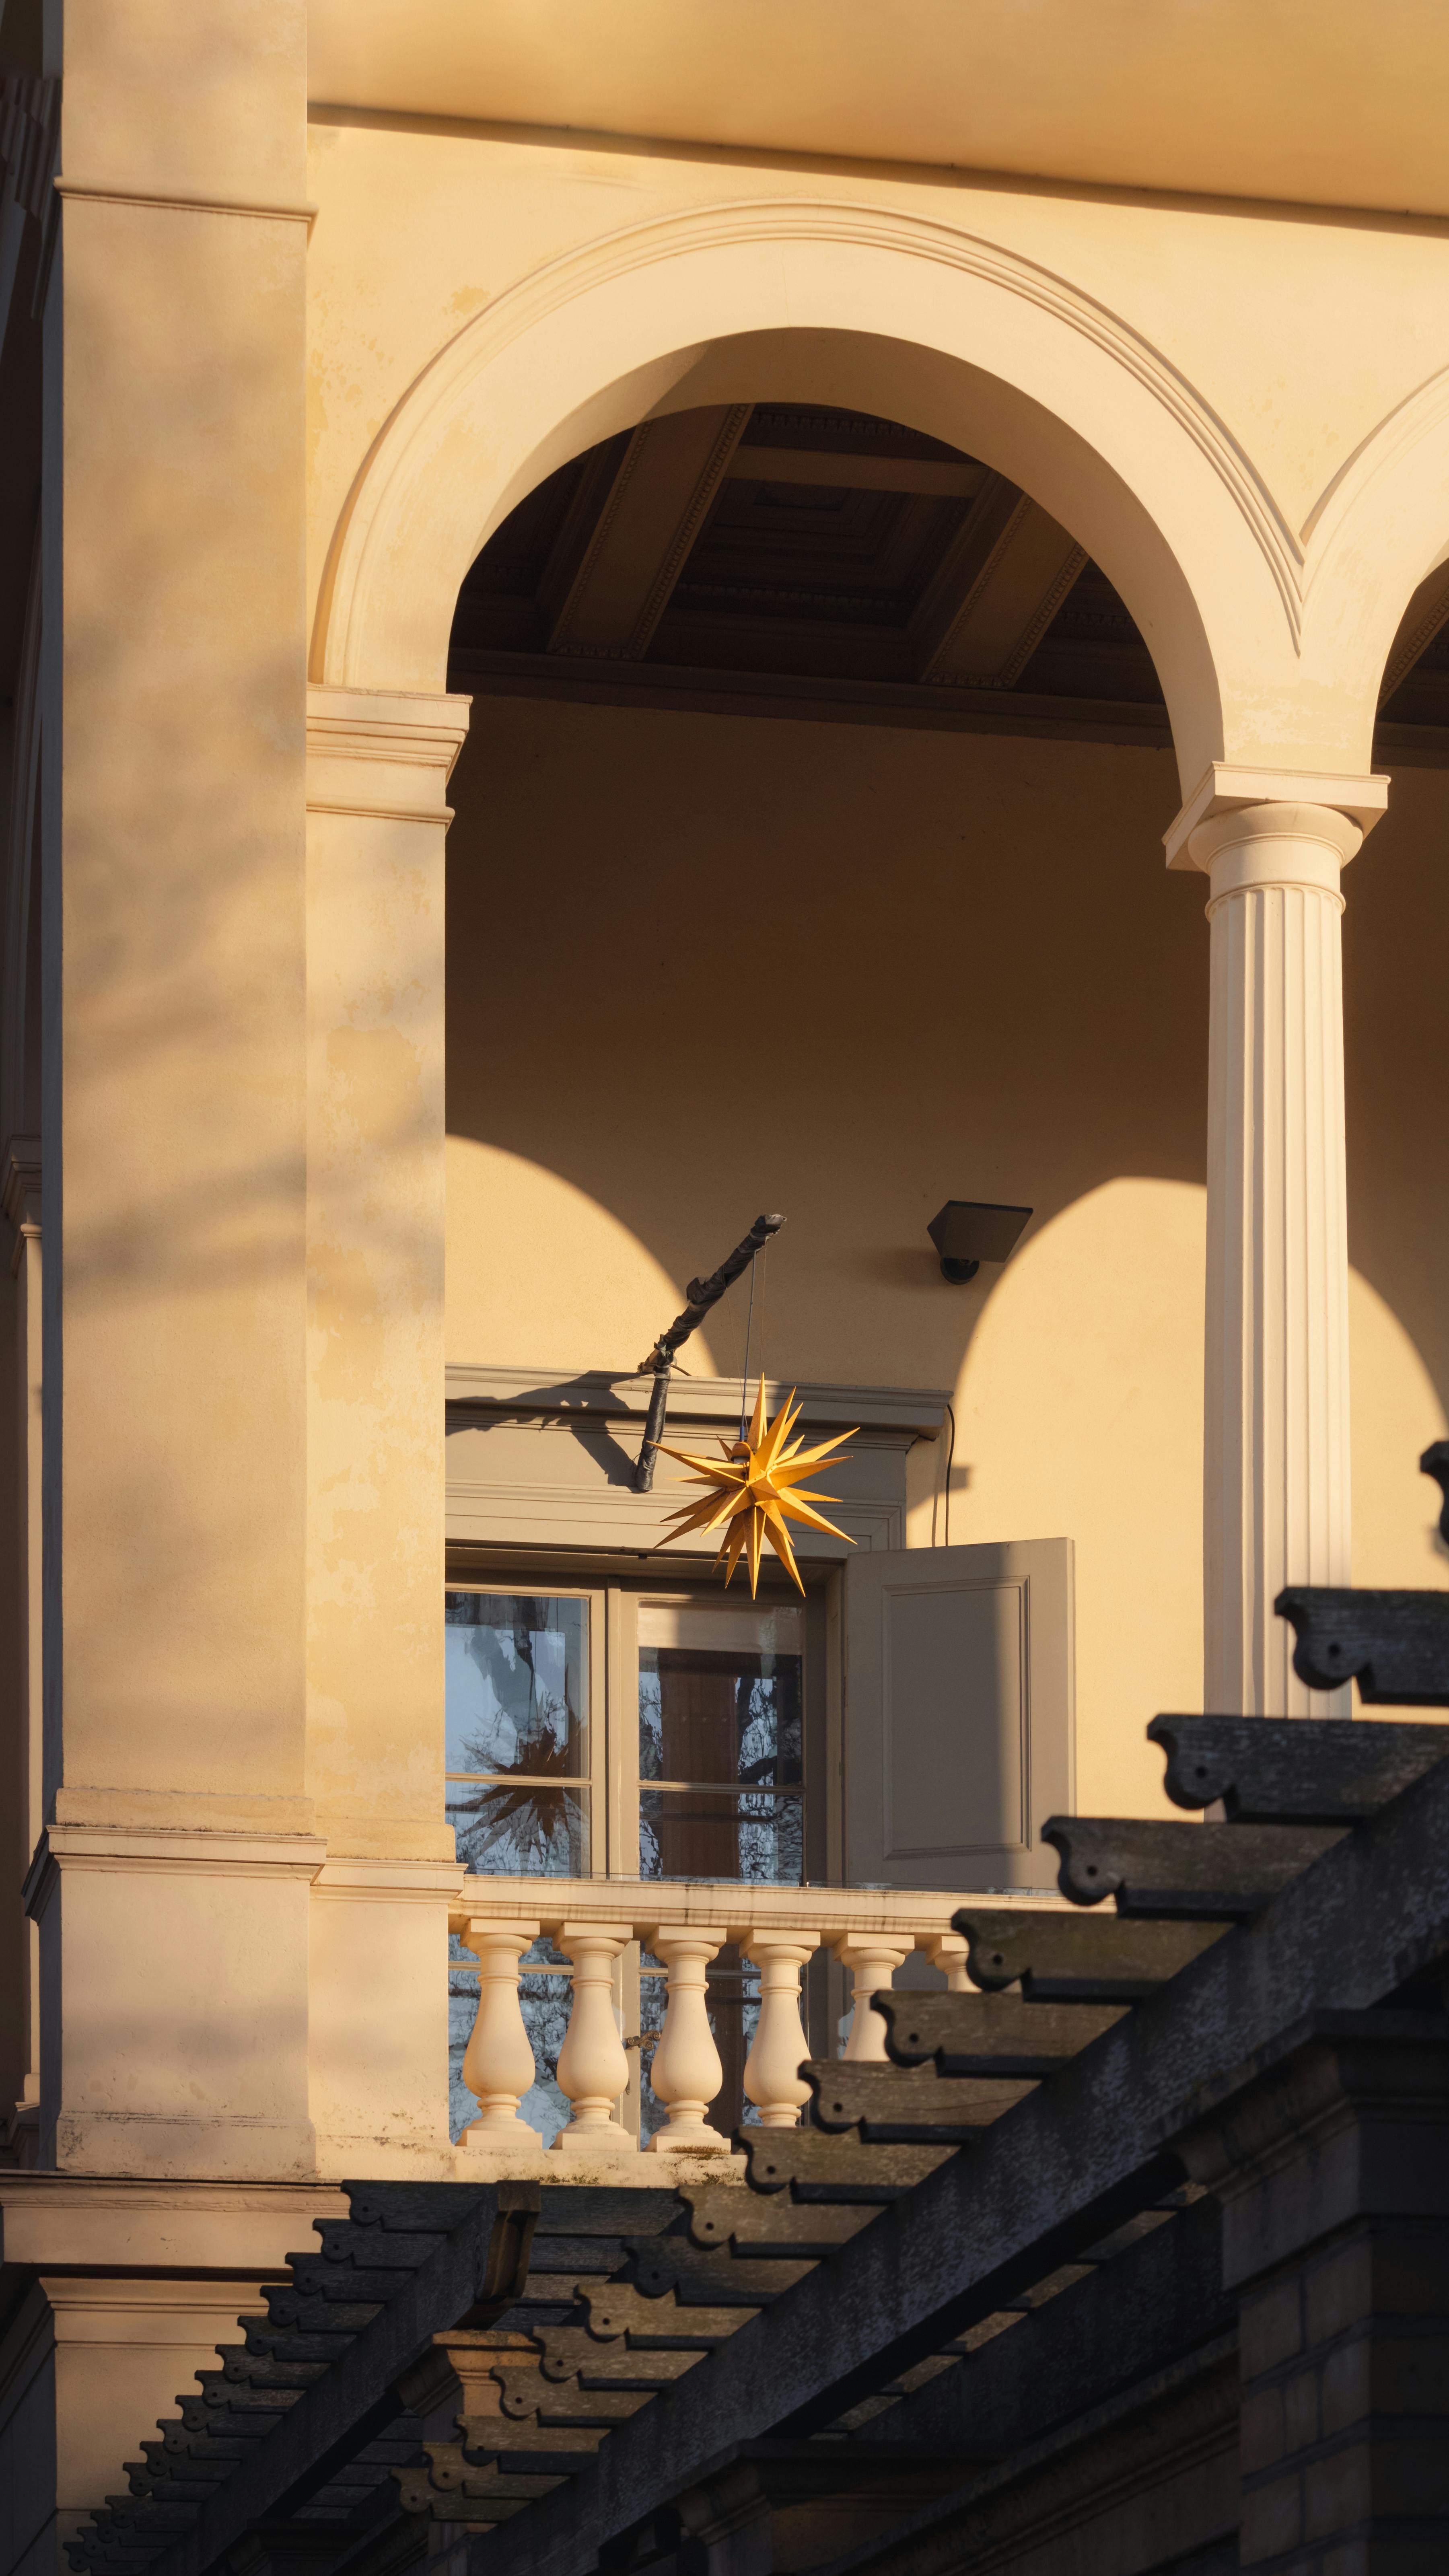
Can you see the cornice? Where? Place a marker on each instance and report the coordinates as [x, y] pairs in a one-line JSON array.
[[180, 201], [597, 1395], [379, 752], [298, 1857]]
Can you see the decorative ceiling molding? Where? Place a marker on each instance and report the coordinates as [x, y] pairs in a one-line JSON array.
[[1016, 577], [932, 477], [670, 473], [1421, 622]]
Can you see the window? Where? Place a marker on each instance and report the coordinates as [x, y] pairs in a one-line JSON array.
[[618, 1729], [721, 1779], [697, 1770], [518, 1732]]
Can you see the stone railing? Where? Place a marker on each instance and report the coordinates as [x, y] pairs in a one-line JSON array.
[[590, 1922]]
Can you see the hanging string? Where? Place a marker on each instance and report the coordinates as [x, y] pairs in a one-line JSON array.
[[749, 1322]]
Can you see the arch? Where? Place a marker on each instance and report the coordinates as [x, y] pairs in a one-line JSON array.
[[963, 339]]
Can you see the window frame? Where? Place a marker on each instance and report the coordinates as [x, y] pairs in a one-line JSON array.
[[591, 1779]]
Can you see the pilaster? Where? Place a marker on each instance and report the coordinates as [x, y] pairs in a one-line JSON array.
[[377, 770], [377, 773], [174, 1094]]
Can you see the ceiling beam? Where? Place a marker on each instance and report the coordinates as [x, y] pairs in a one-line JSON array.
[[1418, 627], [939, 478], [995, 593], [667, 478]]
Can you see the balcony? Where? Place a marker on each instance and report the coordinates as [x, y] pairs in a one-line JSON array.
[[589, 1926]]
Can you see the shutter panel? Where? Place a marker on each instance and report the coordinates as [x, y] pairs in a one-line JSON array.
[[958, 1713]]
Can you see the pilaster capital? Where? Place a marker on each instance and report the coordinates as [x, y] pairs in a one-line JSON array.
[[383, 752], [1225, 790]]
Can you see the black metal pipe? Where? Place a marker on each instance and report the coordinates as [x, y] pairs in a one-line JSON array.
[[702, 1294]]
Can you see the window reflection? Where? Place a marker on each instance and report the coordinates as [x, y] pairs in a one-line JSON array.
[[517, 1732], [720, 1744]]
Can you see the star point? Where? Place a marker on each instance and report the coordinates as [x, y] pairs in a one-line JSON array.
[[751, 1490]]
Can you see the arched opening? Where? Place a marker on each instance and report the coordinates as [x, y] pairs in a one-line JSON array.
[[844, 912], [807, 854]]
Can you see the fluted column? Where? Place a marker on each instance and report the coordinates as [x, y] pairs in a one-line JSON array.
[[1276, 1461]]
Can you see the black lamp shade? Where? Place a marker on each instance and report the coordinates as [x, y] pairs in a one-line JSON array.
[[967, 1232]]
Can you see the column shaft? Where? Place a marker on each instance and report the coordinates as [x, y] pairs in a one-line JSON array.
[[1276, 1459]]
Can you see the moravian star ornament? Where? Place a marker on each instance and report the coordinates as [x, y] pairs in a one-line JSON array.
[[753, 1491]]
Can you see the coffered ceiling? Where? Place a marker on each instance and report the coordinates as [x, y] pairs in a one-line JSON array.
[[776, 560]]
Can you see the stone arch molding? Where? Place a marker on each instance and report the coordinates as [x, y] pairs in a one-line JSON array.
[[965, 339], [1378, 528]]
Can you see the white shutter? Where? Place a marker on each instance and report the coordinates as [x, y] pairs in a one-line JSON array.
[[958, 1713]]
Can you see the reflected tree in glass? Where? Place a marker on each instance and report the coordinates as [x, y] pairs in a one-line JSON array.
[[516, 1707]]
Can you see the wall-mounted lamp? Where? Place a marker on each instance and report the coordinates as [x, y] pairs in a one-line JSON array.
[[968, 1232]]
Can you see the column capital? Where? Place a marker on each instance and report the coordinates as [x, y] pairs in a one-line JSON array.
[[386, 752], [1226, 788], [1257, 846]]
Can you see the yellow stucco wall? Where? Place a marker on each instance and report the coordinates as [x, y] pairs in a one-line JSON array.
[[700, 965]]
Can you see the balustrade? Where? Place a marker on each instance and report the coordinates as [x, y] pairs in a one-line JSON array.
[[590, 1922]]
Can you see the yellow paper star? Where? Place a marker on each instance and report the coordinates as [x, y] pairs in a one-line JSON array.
[[752, 1491]]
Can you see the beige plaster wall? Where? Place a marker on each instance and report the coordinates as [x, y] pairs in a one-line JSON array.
[[1241, 411], [1395, 927], [1302, 329], [702, 965]]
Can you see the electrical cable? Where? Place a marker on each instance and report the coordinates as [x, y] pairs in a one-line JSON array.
[[950, 1462]]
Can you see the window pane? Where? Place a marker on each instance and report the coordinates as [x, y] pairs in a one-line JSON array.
[[720, 1696], [689, 1833], [513, 1830], [517, 1684]]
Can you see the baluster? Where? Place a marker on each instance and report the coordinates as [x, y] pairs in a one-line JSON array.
[[593, 2070], [874, 1961], [498, 2063], [686, 2072], [948, 1953], [772, 2078]]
